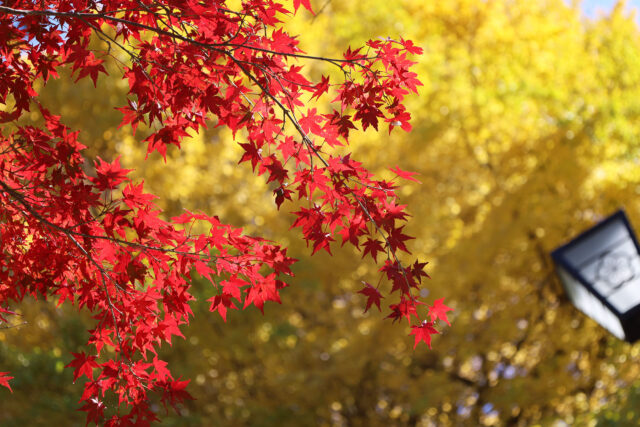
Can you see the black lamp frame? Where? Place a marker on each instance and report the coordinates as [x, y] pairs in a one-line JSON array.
[[630, 320]]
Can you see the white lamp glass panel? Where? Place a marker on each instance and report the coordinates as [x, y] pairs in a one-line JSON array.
[[590, 305], [626, 297], [600, 241]]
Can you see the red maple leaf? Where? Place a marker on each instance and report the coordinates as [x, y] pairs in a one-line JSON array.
[[94, 409], [91, 68], [252, 154], [401, 119], [135, 197], [372, 294], [372, 246], [84, 365], [281, 194], [368, 114], [417, 269], [175, 392], [161, 371], [410, 47], [423, 332], [397, 238], [404, 174], [405, 308], [110, 175], [439, 311], [4, 380], [305, 3], [342, 122], [259, 293], [353, 55], [221, 303], [321, 88]]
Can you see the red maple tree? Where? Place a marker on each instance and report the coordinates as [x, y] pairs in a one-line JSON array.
[[91, 237]]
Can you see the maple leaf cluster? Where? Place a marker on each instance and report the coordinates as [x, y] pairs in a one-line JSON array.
[[97, 240]]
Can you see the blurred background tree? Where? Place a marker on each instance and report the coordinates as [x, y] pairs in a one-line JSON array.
[[525, 133]]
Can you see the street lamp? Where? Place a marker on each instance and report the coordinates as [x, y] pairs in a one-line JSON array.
[[600, 271]]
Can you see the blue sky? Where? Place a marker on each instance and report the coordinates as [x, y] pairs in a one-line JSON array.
[[591, 7]]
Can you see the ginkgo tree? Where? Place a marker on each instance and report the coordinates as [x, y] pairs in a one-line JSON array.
[[90, 236]]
